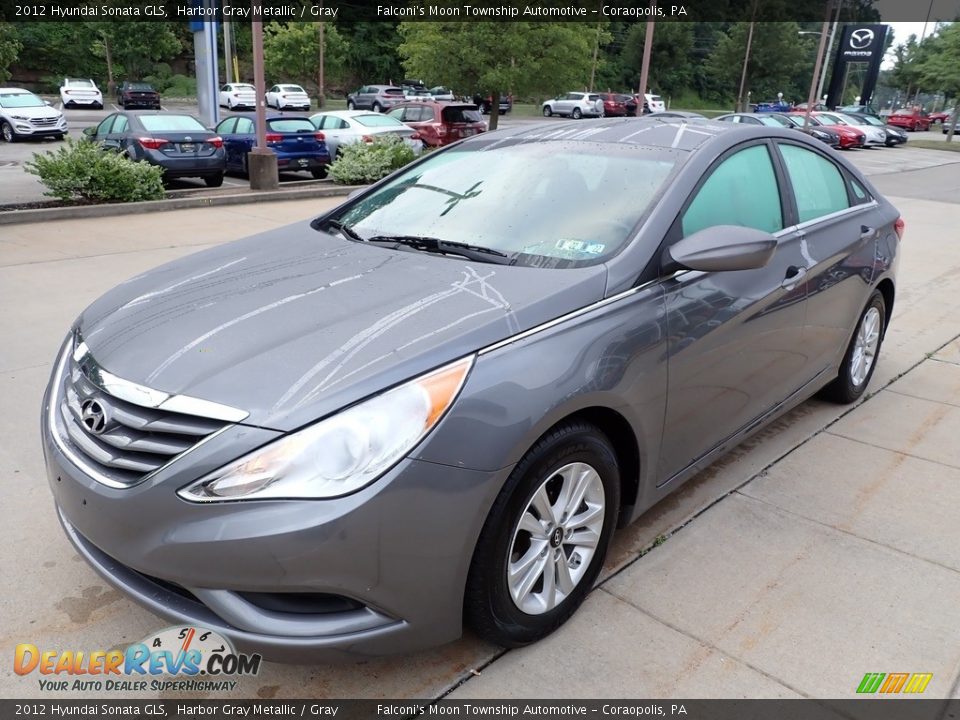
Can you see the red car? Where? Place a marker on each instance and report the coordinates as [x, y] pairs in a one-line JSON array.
[[614, 105], [850, 137], [941, 116], [909, 119], [440, 123]]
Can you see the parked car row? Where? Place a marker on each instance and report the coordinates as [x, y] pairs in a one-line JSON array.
[[590, 104]]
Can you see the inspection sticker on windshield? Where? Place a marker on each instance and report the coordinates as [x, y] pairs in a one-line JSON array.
[[579, 246]]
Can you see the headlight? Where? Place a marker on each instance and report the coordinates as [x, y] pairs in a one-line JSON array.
[[343, 453], [19, 117]]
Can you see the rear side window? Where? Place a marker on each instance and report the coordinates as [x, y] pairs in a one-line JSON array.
[[742, 190], [120, 124], [461, 115], [817, 183], [378, 121], [171, 123], [291, 125]]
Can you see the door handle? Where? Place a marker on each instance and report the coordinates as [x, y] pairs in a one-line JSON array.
[[794, 275], [867, 232]]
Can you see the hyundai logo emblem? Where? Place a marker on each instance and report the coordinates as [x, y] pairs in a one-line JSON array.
[[93, 415], [860, 39]]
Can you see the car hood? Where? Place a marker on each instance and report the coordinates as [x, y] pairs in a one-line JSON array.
[[294, 324], [34, 113]]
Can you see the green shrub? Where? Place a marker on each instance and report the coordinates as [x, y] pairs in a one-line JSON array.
[[360, 163], [82, 171]]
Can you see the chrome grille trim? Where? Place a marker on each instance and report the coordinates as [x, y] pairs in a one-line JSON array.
[[140, 440]]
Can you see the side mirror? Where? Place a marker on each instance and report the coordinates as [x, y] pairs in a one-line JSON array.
[[46, 102], [723, 248], [89, 133]]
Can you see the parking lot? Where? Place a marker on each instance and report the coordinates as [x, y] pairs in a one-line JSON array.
[[16, 186], [823, 548]]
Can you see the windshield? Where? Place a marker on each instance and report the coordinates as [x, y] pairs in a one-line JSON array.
[[171, 123], [20, 100], [547, 204], [378, 121], [291, 125]]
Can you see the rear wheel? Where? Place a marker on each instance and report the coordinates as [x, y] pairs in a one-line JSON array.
[[861, 357], [319, 174], [576, 114], [214, 180], [350, 105], [377, 107], [545, 539]]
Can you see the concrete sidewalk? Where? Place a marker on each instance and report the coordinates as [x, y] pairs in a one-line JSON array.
[[826, 547]]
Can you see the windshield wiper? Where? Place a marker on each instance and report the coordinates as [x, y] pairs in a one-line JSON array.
[[431, 244], [345, 230]]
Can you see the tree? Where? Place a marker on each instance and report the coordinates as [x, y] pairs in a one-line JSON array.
[[10, 47], [904, 73], [491, 58], [134, 46], [940, 67], [781, 60], [371, 52], [671, 68], [292, 52]]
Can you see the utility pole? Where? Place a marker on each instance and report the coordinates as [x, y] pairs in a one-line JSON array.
[[320, 79], [227, 46], [596, 49], [812, 97], [645, 63], [261, 161], [833, 32]]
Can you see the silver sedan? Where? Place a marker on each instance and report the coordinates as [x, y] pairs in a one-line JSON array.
[[342, 127]]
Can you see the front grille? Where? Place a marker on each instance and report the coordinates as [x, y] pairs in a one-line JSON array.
[[43, 122], [121, 440]]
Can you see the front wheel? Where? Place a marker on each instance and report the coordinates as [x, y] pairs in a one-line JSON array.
[[861, 357], [545, 539], [547, 112], [7, 133]]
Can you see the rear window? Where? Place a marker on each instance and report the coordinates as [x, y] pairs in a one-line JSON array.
[[171, 123], [291, 88], [80, 83], [903, 112], [251, 88], [393, 91], [378, 121], [139, 86], [462, 114], [291, 125]]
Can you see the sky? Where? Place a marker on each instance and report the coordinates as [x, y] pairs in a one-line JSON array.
[[901, 31]]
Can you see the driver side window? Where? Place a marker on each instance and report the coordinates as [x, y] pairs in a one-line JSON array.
[[741, 190]]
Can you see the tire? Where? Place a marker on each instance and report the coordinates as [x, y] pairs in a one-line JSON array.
[[853, 378], [229, 105], [58, 137], [213, 180], [576, 114], [547, 112], [377, 107], [244, 170], [510, 614], [7, 132], [319, 174], [350, 105]]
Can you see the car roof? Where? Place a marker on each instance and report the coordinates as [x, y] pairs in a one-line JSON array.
[[349, 113], [433, 103], [684, 134]]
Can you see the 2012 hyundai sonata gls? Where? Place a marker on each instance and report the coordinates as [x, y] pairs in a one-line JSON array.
[[435, 403]]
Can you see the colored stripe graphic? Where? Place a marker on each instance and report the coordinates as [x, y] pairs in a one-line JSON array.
[[894, 682], [918, 682], [870, 682]]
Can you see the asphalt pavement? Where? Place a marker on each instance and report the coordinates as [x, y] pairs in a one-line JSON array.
[[825, 547]]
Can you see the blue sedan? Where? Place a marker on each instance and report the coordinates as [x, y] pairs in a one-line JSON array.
[[296, 142]]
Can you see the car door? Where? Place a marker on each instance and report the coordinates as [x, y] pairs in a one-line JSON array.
[[226, 130], [272, 95], [103, 130], [735, 338], [839, 242], [337, 132], [116, 138]]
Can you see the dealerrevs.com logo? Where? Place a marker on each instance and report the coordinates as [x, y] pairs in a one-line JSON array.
[[178, 658]]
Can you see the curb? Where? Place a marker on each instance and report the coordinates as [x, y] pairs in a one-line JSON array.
[[16, 217]]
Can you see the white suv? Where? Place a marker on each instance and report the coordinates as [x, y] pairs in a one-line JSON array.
[[77, 91], [24, 115], [574, 104]]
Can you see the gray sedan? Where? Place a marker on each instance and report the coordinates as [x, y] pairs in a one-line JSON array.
[[343, 127], [435, 403]]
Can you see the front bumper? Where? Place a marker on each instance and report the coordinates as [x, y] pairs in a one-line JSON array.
[[25, 128], [398, 551]]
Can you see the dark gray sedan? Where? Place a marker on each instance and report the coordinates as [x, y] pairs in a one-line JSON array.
[[435, 403]]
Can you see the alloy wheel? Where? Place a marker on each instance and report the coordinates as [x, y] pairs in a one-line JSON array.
[[865, 347], [556, 538]]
